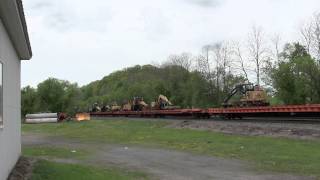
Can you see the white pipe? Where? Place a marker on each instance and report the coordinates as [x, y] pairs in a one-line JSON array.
[[42, 115], [42, 120]]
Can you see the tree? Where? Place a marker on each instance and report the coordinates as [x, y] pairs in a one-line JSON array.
[[276, 41], [51, 95], [306, 33], [205, 67], [29, 100], [295, 79], [239, 59], [71, 98], [310, 34], [183, 60], [316, 36], [257, 49], [204, 63], [215, 66], [222, 58]]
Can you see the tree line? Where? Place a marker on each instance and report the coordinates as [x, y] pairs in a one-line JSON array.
[[290, 72]]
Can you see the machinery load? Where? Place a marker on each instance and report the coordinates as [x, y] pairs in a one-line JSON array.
[[138, 104], [250, 96], [95, 108], [163, 103]]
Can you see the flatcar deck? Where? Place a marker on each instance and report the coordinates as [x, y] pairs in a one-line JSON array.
[[312, 110]]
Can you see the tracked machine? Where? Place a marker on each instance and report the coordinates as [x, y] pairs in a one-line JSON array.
[[163, 103], [115, 107], [251, 96], [138, 104], [95, 108], [245, 100]]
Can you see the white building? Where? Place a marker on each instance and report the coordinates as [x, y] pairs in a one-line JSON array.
[[14, 47]]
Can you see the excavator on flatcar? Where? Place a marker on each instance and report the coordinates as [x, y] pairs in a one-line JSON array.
[[251, 95], [95, 108], [162, 103], [138, 104]]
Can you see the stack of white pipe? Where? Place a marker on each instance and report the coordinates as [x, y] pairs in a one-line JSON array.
[[42, 118]]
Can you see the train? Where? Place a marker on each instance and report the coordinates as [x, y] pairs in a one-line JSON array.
[[253, 103]]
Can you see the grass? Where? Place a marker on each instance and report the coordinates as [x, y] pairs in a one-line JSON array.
[[45, 170], [276, 154], [54, 152]]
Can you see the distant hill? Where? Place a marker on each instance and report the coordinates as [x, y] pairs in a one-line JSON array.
[[182, 87]]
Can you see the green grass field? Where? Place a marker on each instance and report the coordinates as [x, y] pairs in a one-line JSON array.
[[276, 154], [50, 170], [46, 170]]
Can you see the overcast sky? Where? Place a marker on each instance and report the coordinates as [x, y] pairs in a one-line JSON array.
[[82, 41]]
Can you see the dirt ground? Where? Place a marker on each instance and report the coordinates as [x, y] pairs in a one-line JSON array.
[[262, 128], [23, 169], [159, 163]]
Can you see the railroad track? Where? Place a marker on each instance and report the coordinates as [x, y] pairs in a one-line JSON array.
[[300, 120], [303, 120]]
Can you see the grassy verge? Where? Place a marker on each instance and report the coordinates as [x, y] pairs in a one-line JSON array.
[[45, 170], [277, 154]]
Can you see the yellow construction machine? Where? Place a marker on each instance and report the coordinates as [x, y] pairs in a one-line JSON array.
[[251, 95], [115, 107], [127, 107], [163, 103], [138, 104], [95, 108]]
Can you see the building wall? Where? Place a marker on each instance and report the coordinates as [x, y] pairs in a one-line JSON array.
[[10, 135]]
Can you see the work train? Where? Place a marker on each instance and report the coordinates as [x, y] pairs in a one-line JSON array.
[[252, 103]]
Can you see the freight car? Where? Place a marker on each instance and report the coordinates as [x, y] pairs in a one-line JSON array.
[[253, 103], [312, 110]]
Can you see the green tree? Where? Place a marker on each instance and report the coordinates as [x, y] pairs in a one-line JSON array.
[[51, 95], [296, 77], [71, 98], [29, 100]]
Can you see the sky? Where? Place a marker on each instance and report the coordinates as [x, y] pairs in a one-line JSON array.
[[83, 41]]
